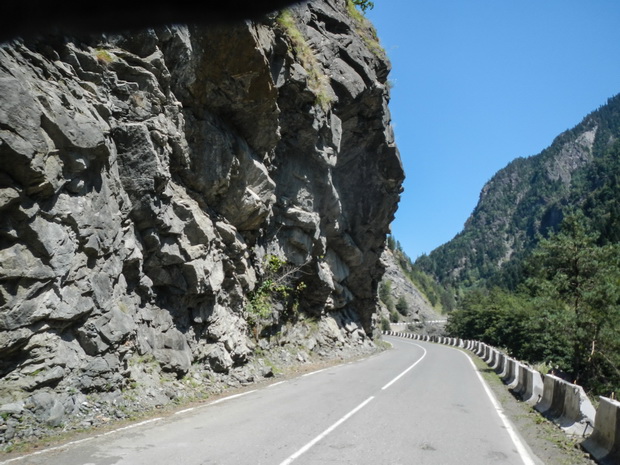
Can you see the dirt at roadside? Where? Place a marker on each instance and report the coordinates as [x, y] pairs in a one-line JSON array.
[[546, 440]]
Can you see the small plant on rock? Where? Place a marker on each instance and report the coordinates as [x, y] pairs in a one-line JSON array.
[[318, 82], [103, 56], [281, 282]]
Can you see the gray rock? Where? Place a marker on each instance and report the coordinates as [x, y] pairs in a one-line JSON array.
[[146, 180], [14, 408], [47, 407]]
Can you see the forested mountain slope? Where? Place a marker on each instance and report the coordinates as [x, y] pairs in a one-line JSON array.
[[530, 197]]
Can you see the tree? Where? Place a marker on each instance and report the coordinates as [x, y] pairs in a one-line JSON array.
[[585, 277]]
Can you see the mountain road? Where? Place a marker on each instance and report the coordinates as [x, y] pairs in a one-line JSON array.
[[419, 403]]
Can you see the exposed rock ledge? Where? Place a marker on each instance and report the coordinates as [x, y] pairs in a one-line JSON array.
[[146, 180]]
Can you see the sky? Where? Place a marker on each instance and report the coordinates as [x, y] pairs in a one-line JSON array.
[[478, 83]]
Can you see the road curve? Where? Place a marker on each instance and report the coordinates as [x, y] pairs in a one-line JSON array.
[[419, 403]]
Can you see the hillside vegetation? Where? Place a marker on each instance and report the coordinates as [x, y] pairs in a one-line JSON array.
[[439, 296], [536, 268]]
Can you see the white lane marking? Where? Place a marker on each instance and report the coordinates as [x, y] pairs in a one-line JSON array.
[[79, 441], [231, 397], [275, 384], [516, 440], [132, 426], [405, 372], [314, 372], [307, 447], [185, 411]]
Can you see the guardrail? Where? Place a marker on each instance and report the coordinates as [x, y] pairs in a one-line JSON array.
[[564, 403]]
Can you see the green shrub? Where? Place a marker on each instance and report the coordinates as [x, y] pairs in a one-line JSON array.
[[281, 282], [402, 306]]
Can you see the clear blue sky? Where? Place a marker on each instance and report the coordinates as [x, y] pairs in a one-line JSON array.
[[477, 83]]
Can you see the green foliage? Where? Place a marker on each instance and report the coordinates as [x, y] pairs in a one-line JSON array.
[[385, 294], [281, 283], [566, 314], [440, 297], [364, 4], [318, 82], [584, 277], [363, 27], [385, 324], [402, 306], [528, 329]]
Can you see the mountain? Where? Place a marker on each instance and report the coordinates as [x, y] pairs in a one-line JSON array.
[[530, 197], [179, 202], [404, 299]]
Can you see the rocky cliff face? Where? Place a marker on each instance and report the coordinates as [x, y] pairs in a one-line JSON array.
[[158, 189], [421, 317]]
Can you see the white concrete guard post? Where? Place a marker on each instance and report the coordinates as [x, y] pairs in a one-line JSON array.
[[578, 414], [489, 355], [509, 375], [508, 365], [604, 443], [521, 385], [533, 387], [495, 360], [501, 364], [479, 349], [486, 353], [569, 408], [544, 405], [516, 376]]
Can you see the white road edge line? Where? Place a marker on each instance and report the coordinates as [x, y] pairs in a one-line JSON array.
[[79, 441], [315, 372], [185, 411], [516, 440], [405, 372], [231, 397], [276, 384], [307, 447]]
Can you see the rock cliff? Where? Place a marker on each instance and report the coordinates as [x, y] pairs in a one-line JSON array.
[[421, 318], [176, 200]]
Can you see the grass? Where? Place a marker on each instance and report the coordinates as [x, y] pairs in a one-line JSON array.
[[366, 30], [103, 56], [318, 82]]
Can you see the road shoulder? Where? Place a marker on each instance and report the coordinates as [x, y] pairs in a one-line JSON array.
[[546, 440]]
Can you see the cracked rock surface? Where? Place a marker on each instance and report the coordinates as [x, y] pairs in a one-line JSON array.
[[145, 182]]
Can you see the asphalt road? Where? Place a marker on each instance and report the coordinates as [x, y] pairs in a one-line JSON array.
[[420, 403]]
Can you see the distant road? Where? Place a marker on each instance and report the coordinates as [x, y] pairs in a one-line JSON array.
[[420, 403]]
